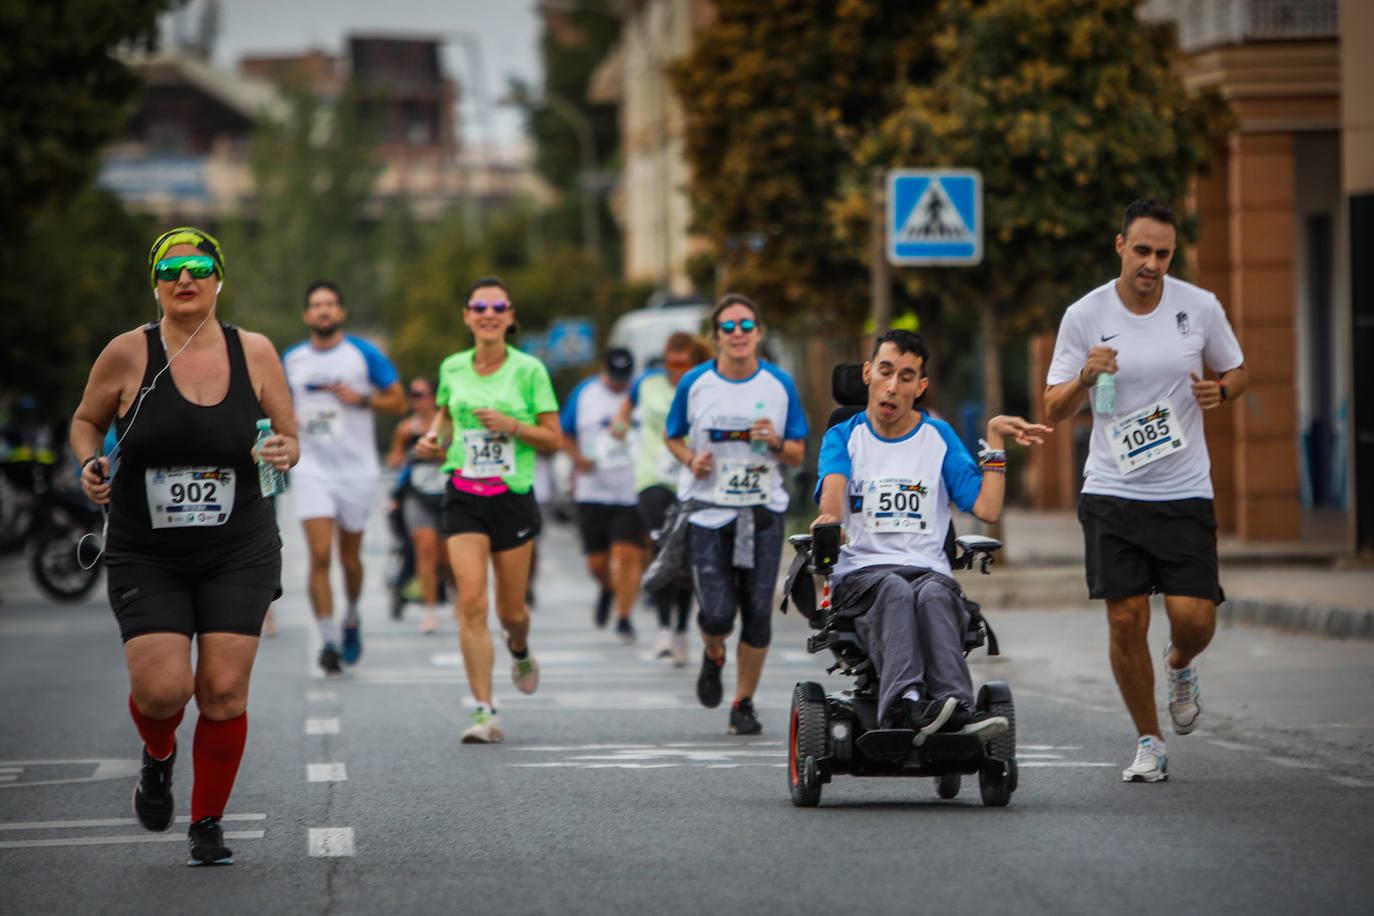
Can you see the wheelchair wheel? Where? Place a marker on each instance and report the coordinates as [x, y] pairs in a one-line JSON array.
[[805, 748], [998, 778], [948, 785]]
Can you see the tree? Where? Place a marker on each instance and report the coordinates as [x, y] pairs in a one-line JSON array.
[[314, 172], [1071, 110], [778, 95], [63, 95]]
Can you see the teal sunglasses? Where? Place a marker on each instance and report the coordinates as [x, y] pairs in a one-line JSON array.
[[200, 266]]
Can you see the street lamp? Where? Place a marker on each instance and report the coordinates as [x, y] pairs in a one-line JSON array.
[[586, 145]]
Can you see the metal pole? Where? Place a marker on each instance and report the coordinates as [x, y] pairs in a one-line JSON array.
[[880, 272], [586, 141]]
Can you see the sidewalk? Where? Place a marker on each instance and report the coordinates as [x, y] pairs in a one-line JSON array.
[[1309, 585]]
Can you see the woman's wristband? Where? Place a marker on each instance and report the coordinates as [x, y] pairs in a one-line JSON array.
[[1221, 386]]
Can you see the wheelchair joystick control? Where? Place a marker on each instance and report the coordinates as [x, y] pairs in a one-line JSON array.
[[825, 547]]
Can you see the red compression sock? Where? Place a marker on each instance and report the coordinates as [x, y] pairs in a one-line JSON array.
[[216, 753], [159, 735]]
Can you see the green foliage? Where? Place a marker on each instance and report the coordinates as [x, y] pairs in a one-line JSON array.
[[425, 306], [315, 172], [77, 278], [1071, 110], [63, 95], [778, 95]]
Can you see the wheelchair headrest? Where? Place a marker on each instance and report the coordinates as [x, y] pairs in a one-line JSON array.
[[847, 385]]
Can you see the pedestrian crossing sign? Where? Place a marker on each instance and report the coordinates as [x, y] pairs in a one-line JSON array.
[[934, 216]]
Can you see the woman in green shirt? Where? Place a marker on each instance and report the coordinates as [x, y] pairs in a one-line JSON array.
[[496, 408]]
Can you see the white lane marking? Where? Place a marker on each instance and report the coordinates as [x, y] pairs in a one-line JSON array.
[[326, 772], [1049, 747], [103, 769], [8, 777], [321, 696], [112, 822], [10, 769], [321, 726], [327, 842], [136, 838], [1042, 764], [1232, 745], [1295, 764], [1350, 781]]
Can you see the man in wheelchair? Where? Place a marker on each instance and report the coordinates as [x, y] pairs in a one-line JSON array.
[[888, 474]]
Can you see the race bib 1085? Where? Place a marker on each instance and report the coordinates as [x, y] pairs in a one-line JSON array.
[[1145, 436]]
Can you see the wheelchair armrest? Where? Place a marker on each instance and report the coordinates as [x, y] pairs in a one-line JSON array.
[[800, 542], [976, 548]]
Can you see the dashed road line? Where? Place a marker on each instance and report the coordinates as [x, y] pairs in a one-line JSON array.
[[321, 696], [326, 772], [1295, 764], [322, 726], [331, 842]]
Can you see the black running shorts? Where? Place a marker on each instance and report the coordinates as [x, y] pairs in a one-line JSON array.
[[1137, 547], [603, 524], [156, 595], [508, 519]]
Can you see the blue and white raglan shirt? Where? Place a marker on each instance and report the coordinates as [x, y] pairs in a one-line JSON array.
[[715, 413], [338, 441], [896, 508], [587, 417]]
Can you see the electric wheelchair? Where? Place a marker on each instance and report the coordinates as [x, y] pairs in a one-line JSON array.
[[842, 733]]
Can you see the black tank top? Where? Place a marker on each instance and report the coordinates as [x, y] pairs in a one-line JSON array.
[[169, 432]]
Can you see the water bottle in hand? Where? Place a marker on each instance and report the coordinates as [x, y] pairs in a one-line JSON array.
[[1104, 397], [271, 480], [759, 445]]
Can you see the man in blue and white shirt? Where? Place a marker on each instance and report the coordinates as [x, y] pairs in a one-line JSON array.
[[337, 381], [889, 474]]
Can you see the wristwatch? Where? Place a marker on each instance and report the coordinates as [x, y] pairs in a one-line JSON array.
[[1222, 386]]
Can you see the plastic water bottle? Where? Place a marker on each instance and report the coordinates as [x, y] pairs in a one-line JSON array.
[[759, 446], [271, 480], [1104, 397]]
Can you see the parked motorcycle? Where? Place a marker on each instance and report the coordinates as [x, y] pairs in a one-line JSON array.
[[59, 526]]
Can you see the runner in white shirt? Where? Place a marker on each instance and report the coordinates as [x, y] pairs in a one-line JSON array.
[[337, 381], [1146, 507], [733, 422], [613, 536]]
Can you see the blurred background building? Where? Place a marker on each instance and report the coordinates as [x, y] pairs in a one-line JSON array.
[[1285, 244]]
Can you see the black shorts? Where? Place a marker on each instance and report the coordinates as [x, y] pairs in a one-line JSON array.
[[1137, 547], [603, 524], [654, 503], [508, 519], [155, 595]]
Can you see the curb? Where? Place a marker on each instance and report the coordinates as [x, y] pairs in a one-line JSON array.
[[1336, 622]]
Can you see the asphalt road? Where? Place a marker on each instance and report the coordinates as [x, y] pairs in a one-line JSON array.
[[616, 792]]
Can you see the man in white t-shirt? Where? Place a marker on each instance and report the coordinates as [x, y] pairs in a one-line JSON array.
[[613, 535], [337, 381], [1146, 506]]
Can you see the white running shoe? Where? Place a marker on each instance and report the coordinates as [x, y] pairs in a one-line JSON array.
[[1185, 697], [1151, 762], [524, 673], [664, 647], [679, 650], [429, 625], [485, 728]]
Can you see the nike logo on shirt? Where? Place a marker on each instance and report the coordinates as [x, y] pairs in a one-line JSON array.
[[1107, 337]]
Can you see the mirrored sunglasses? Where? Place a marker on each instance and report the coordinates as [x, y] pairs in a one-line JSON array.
[[728, 327], [481, 307], [419, 393], [200, 266]]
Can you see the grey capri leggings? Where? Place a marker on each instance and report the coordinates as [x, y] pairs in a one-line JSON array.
[[722, 589]]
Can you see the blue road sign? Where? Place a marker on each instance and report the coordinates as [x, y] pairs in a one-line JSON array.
[[571, 342], [934, 216]]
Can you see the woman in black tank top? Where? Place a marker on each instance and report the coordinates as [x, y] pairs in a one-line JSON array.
[[192, 545]]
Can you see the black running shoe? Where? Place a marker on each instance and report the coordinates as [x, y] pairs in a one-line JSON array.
[[153, 803], [603, 608], [329, 660], [708, 681], [743, 721], [207, 843], [985, 725], [928, 716], [625, 631]]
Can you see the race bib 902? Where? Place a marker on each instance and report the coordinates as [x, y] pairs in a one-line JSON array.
[[189, 497]]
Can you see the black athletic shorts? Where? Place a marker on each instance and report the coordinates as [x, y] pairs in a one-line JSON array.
[[159, 595], [508, 519], [1137, 547], [603, 524], [654, 503]]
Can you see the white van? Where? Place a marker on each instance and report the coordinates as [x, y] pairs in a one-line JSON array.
[[644, 331]]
